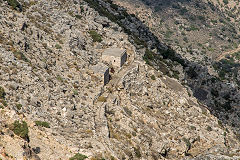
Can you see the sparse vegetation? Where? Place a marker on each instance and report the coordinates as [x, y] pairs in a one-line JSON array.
[[148, 56], [19, 55], [15, 4], [193, 127], [2, 97], [4, 103], [138, 41], [42, 124], [59, 78], [78, 16], [225, 2], [138, 111], [168, 34], [209, 128], [78, 156], [95, 36], [75, 92], [58, 46], [2, 93], [20, 129], [137, 152], [153, 77], [18, 106]]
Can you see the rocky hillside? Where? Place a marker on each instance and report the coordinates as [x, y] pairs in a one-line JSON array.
[[54, 107], [202, 32], [200, 27], [210, 69]]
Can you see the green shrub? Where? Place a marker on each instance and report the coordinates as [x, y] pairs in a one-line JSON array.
[[15, 4], [58, 46], [19, 106], [193, 28], [153, 77], [78, 156], [183, 11], [137, 152], [42, 124], [2, 93], [138, 41], [59, 78], [225, 2], [19, 55], [3, 102], [185, 39], [114, 6], [148, 56], [222, 74], [202, 18], [168, 34], [209, 128], [192, 127], [78, 16], [102, 11], [75, 92], [20, 129], [171, 54], [95, 36]]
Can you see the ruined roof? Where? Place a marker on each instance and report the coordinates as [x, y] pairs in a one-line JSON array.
[[100, 68], [116, 52]]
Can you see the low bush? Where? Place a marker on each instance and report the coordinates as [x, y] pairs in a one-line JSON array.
[[95, 36], [42, 124], [137, 152], [209, 128], [20, 129], [3, 102], [2, 93], [153, 77], [148, 56], [78, 156], [19, 55], [19, 106], [78, 16], [58, 46], [15, 4]]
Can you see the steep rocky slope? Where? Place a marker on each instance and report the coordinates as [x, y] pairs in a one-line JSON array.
[[211, 73], [46, 51], [200, 27]]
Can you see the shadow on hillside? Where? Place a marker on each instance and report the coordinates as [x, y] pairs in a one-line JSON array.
[[164, 3], [161, 5], [208, 89]]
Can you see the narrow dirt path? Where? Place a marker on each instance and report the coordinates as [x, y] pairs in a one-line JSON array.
[[221, 56]]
